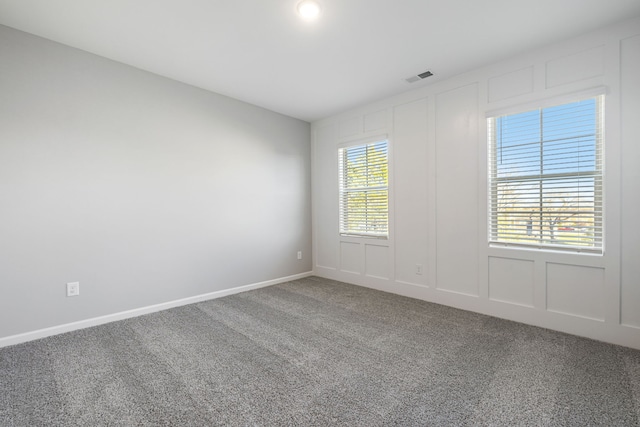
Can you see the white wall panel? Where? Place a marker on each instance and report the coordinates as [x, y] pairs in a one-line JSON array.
[[438, 193], [326, 195], [457, 190], [410, 191], [511, 280], [351, 257], [376, 121], [578, 66], [351, 127], [630, 292], [377, 261], [576, 290], [511, 84]]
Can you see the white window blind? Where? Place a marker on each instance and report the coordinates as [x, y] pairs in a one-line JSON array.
[[546, 177], [364, 200]]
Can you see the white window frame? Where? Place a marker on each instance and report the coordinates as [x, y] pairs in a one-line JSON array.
[[597, 175], [343, 190]]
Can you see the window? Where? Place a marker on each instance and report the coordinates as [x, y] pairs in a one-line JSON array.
[[546, 177], [364, 194]]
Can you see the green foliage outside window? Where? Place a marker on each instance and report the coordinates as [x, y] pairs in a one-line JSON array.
[[364, 201]]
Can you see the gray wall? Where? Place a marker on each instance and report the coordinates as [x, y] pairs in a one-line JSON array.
[[143, 189]]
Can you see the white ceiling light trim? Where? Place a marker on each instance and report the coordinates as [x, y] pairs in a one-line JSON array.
[[309, 10]]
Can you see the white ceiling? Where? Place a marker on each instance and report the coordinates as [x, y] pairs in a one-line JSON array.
[[260, 52]]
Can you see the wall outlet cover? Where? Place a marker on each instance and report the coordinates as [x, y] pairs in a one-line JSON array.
[[73, 289]]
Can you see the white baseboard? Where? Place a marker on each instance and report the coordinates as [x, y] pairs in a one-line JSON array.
[[95, 321], [612, 331]]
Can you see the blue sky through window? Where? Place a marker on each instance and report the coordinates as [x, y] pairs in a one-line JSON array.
[[553, 140], [546, 176]]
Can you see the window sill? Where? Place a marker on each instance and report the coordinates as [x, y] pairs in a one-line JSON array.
[[547, 249]]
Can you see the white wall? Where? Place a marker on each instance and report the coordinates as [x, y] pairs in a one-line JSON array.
[[438, 173], [143, 189]]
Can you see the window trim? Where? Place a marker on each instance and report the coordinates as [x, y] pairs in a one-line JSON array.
[[548, 102], [540, 105], [387, 188]]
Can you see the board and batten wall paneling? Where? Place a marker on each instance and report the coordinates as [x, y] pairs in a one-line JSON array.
[[439, 195], [511, 280], [457, 201], [337, 256], [575, 67], [511, 84], [630, 111], [576, 290], [376, 121], [410, 192], [376, 261], [350, 127], [351, 259], [325, 198]]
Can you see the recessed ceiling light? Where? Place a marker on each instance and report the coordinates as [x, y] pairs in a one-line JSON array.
[[309, 10]]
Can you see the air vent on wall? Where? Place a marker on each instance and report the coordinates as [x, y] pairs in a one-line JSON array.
[[419, 77]]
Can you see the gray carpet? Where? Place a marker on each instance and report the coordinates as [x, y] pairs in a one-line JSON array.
[[315, 352]]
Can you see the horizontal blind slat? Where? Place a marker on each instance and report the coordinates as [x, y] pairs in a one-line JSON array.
[[545, 175], [363, 176]]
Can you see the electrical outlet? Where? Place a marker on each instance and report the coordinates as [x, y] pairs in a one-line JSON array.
[[299, 254], [73, 289], [418, 268]]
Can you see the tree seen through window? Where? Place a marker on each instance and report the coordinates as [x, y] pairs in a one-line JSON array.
[[546, 180], [364, 205]]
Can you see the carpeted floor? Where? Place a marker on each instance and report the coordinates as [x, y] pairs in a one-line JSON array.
[[315, 352]]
